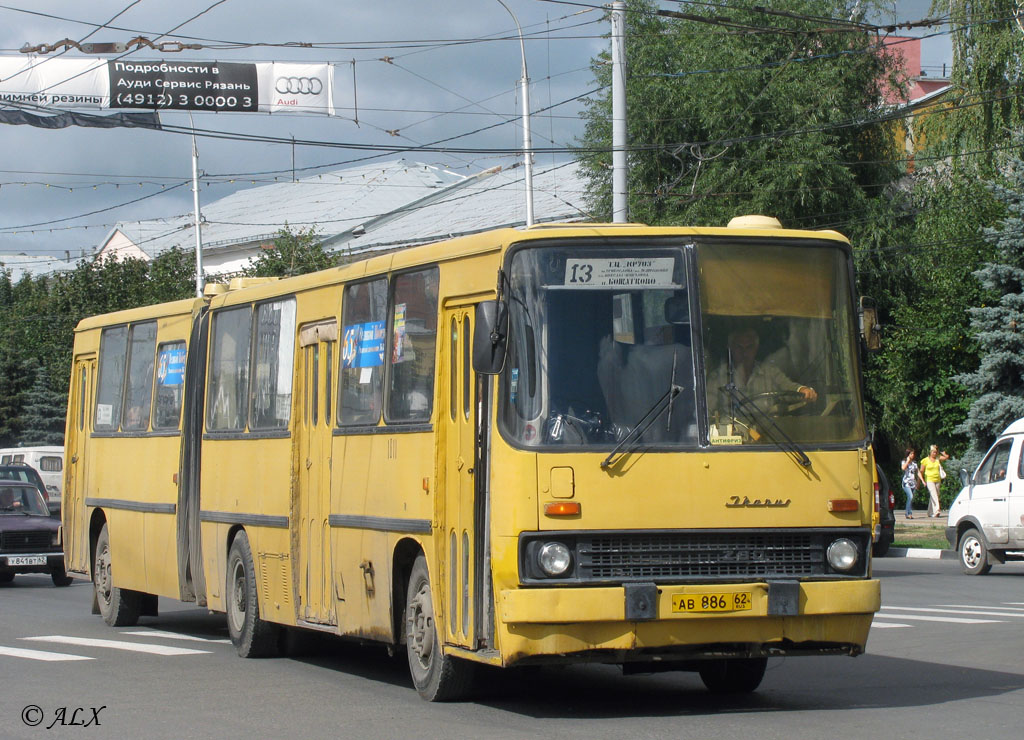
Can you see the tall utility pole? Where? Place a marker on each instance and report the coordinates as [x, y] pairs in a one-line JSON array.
[[200, 277], [620, 172], [524, 85]]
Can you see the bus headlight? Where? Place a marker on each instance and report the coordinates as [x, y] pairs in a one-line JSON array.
[[843, 554], [554, 558]]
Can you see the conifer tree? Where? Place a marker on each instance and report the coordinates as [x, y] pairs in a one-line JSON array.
[[998, 383], [43, 413]]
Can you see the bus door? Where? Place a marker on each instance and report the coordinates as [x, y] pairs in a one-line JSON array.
[[464, 544], [76, 535], [311, 531]]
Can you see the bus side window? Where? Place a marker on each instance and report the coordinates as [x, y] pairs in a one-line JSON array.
[[113, 352], [363, 340], [271, 399], [139, 383], [170, 385], [229, 370], [413, 340]]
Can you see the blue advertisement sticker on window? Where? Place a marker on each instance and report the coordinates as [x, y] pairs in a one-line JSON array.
[[171, 367], [363, 345]]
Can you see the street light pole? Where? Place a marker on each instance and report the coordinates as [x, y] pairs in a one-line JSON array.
[[200, 277], [620, 201], [524, 86]]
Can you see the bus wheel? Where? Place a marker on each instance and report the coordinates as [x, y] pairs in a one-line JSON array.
[[252, 637], [733, 675], [60, 577], [974, 554], [437, 677], [119, 607]]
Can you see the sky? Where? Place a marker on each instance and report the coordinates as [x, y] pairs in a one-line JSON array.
[[408, 73]]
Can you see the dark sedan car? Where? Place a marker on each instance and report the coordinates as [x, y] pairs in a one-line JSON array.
[[30, 539], [27, 474]]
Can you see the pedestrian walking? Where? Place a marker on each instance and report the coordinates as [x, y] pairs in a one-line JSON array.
[[931, 474], [909, 467]]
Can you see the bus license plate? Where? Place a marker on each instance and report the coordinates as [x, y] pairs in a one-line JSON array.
[[736, 602], [26, 560]]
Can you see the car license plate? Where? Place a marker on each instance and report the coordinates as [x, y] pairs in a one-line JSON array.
[[26, 560], [736, 602]]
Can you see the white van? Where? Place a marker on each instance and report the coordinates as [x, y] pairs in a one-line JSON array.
[[986, 521], [48, 461]]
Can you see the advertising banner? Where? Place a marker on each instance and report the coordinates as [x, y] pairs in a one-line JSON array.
[[59, 84]]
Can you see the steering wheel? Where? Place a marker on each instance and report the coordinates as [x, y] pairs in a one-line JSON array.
[[781, 401]]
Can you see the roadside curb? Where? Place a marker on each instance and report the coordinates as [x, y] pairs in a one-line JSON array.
[[921, 553]]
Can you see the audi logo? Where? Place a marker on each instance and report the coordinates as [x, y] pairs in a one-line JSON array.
[[299, 85]]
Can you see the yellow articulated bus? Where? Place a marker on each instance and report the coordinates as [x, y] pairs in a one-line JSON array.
[[608, 443]]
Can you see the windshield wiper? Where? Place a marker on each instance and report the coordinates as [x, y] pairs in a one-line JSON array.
[[646, 421], [743, 401]]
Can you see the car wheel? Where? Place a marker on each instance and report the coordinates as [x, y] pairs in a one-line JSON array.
[[6, 577], [733, 675], [437, 677], [974, 554], [119, 607], [252, 636], [60, 577]]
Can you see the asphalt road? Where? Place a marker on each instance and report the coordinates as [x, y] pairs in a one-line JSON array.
[[944, 661]]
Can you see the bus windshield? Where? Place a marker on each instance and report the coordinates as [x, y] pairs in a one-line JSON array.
[[779, 344], [603, 346]]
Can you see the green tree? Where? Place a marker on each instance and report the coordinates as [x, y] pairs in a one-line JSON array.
[[771, 119], [43, 413], [292, 253], [997, 385]]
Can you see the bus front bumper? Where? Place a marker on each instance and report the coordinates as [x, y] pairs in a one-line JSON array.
[[606, 624]]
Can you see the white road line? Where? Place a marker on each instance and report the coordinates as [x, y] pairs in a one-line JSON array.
[[39, 655], [952, 611], [136, 647], [174, 636], [951, 620], [1019, 611], [887, 625]]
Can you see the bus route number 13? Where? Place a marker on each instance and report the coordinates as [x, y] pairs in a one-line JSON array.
[[581, 272]]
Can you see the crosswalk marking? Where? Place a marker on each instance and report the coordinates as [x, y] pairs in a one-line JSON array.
[[887, 625], [39, 655], [950, 620], [952, 611], [1005, 607], [175, 636], [136, 647]]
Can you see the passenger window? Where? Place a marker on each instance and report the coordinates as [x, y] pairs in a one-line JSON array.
[[273, 360], [113, 351], [139, 385], [229, 370], [413, 339], [363, 316], [170, 385], [51, 464], [993, 469]]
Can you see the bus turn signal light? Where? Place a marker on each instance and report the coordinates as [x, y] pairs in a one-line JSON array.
[[843, 504], [562, 508]]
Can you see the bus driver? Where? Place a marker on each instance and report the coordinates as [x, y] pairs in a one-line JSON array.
[[751, 377]]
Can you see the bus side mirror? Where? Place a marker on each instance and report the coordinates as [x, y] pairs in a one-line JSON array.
[[490, 337], [870, 330]]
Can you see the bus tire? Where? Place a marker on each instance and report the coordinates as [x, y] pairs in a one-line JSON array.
[[119, 607], [973, 553], [252, 636], [436, 676], [733, 675]]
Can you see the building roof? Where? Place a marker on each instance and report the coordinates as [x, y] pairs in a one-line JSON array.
[[21, 265], [365, 208]]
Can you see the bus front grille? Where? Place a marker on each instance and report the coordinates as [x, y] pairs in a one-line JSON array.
[[696, 555]]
